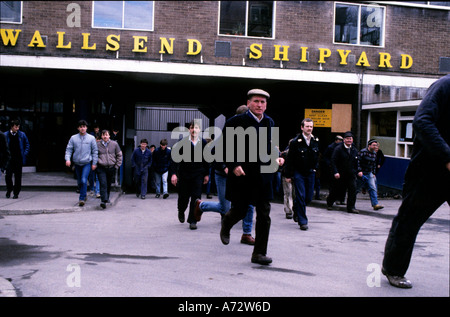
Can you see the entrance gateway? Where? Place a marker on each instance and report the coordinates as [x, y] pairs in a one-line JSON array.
[[156, 122]]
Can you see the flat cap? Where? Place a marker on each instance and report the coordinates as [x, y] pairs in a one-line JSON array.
[[259, 92], [348, 134]]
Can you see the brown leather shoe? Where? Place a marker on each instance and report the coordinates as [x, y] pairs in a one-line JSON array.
[[247, 239], [197, 211], [378, 207]]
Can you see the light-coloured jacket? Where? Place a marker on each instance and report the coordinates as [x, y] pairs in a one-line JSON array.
[[109, 156], [83, 148]]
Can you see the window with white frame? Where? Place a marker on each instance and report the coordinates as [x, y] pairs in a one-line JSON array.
[[394, 131], [359, 24], [247, 18], [133, 15], [11, 12]]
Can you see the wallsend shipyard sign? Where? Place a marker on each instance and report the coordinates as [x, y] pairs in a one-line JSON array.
[[10, 37]]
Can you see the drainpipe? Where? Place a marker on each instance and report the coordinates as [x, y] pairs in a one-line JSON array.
[[359, 107]]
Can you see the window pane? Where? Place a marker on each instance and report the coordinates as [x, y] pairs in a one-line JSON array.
[[260, 18], [406, 131], [232, 17], [139, 15], [346, 24], [371, 25], [10, 11], [383, 127], [108, 14]]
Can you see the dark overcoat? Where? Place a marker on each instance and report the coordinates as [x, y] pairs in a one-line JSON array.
[[344, 163], [255, 185]]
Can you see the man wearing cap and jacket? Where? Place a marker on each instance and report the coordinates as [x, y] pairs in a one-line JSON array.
[[248, 183], [367, 162], [344, 166]]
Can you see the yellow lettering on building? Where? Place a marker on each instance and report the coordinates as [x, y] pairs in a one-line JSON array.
[[86, 42], [323, 53], [194, 43], [385, 60], [407, 61], [279, 52], [36, 40], [343, 56], [8, 36], [363, 61], [303, 54], [139, 44], [112, 42], [165, 46], [255, 51], [61, 41]]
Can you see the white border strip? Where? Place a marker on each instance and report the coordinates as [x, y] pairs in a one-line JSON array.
[[392, 105], [150, 67]]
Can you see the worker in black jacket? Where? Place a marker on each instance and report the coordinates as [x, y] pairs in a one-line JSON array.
[[190, 171], [427, 180], [344, 166], [5, 155], [302, 163]]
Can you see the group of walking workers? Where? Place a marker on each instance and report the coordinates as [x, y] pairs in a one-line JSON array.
[[151, 163], [89, 154], [244, 184]]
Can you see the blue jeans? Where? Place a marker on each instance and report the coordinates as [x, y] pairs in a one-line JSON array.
[[304, 191], [140, 181], [157, 177], [224, 205], [247, 222], [94, 185], [82, 172], [369, 181]]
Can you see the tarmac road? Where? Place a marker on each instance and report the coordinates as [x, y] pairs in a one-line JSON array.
[[138, 248]]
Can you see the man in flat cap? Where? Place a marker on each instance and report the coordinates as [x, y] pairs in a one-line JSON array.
[[247, 182], [344, 166], [367, 162]]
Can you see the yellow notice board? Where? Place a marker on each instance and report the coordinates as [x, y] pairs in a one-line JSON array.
[[321, 117]]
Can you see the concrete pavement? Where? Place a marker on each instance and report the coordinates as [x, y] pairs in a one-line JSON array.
[[45, 193], [48, 193], [55, 193]]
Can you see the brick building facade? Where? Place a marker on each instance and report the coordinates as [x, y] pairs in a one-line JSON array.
[[65, 60]]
